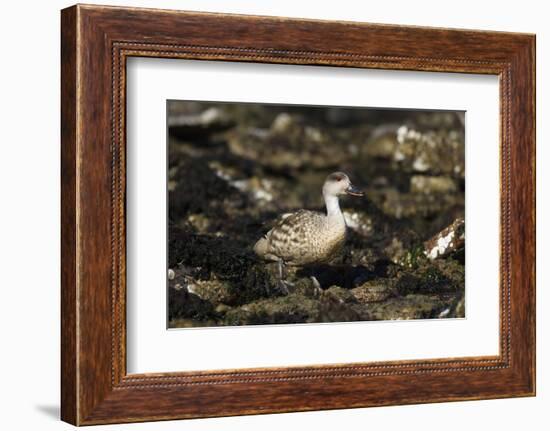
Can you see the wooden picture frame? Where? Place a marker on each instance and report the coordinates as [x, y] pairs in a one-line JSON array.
[[96, 41]]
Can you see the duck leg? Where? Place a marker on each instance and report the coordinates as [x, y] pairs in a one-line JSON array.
[[316, 285], [282, 283], [281, 270]]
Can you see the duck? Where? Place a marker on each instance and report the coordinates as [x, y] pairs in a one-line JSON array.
[[307, 237]]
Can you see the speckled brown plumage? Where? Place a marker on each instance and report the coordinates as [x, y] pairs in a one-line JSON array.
[[302, 238]]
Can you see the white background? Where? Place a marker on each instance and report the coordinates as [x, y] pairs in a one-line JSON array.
[[151, 348], [29, 216]]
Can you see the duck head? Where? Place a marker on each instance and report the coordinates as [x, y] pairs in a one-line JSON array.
[[338, 184]]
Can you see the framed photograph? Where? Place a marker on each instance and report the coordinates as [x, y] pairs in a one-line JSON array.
[[265, 215]]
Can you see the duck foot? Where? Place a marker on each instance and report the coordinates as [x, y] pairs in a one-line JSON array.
[[283, 286], [316, 286]]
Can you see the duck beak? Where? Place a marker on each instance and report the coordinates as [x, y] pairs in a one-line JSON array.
[[354, 191]]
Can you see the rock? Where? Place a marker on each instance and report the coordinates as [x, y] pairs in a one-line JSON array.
[[374, 291], [221, 309], [193, 125], [260, 190], [200, 222], [395, 250], [333, 305], [432, 184], [183, 302], [285, 309], [448, 120], [460, 309], [455, 309], [304, 286], [186, 305], [339, 305], [383, 143], [445, 278], [283, 123], [435, 152], [413, 257], [408, 307], [447, 241], [403, 205], [213, 291], [359, 222], [338, 294], [289, 145]]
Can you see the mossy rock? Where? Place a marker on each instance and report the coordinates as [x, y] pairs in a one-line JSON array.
[[408, 307], [285, 309], [337, 304], [442, 276], [259, 282], [374, 291], [337, 293], [304, 286], [185, 305], [213, 291], [333, 305], [460, 310]]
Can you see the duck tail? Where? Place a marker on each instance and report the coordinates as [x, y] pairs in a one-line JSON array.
[[260, 248]]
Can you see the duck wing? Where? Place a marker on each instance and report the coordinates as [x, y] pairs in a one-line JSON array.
[[289, 238]]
